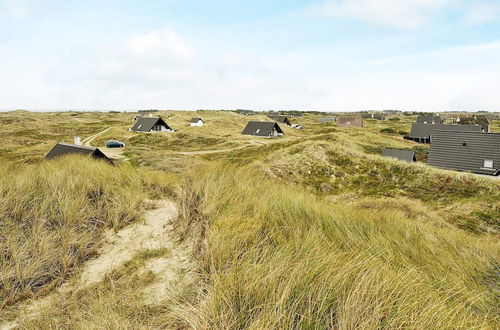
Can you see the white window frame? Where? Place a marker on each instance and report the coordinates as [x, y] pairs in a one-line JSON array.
[[488, 163]]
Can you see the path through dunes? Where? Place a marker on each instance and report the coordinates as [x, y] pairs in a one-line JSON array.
[[153, 234]]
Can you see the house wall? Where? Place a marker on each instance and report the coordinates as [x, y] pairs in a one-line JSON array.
[[199, 123]]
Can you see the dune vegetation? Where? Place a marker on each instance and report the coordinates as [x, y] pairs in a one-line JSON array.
[[311, 231]]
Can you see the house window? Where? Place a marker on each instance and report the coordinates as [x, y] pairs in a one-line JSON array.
[[257, 131], [464, 144], [488, 163]]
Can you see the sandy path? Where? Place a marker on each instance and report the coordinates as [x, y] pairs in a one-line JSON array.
[[86, 142], [154, 233], [113, 153]]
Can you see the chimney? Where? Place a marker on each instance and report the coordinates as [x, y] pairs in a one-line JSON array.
[[78, 140]]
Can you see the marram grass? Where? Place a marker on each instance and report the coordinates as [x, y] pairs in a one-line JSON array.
[[52, 215], [278, 257]]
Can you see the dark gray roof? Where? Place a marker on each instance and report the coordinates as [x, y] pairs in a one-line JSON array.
[[426, 130], [261, 128], [403, 155], [61, 149], [465, 151], [429, 120], [280, 119], [195, 120], [145, 124]]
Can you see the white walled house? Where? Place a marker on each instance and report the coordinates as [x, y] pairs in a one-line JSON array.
[[196, 122]]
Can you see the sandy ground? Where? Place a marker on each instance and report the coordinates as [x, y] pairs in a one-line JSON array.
[[154, 233], [113, 153]]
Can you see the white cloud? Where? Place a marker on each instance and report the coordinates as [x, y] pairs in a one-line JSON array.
[[163, 69], [480, 13], [390, 13]]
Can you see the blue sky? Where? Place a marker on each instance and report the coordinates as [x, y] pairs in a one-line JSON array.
[[328, 55]]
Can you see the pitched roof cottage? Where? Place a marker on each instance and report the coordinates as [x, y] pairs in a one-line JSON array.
[[151, 124], [263, 129]]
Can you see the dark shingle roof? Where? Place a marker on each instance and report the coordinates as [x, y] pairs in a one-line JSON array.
[[280, 119], [403, 155], [145, 124], [61, 149], [356, 121], [195, 120], [465, 151], [429, 120], [261, 128], [426, 130]]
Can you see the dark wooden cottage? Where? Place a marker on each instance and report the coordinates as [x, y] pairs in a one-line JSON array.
[[263, 129], [281, 119], [434, 120], [151, 124], [474, 152], [63, 149]]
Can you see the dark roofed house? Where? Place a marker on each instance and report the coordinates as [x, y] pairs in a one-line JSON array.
[[435, 120], [281, 120], [354, 121], [403, 155], [63, 149], [150, 124], [263, 129], [423, 133], [196, 122], [474, 152]]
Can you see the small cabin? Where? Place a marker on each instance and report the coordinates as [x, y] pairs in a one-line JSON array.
[[151, 125], [281, 119], [350, 121], [433, 120], [196, 122], [475, 152], [263, 129], [399, 154], [63, 149]]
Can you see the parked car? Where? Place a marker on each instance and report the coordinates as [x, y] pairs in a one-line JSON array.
[[114, 144]]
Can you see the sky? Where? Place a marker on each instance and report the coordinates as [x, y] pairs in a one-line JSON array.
[[324, 55]]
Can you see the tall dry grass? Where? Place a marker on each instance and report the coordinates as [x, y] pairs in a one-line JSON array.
[[277, 257], [52, 215]]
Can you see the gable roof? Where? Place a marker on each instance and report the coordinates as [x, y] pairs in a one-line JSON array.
[[429, 120], [195, 120], [403, 155], [465, 151], [62, 149], [261, 128], [145, 124], [426, 130], [356, 121], [280, 119]]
